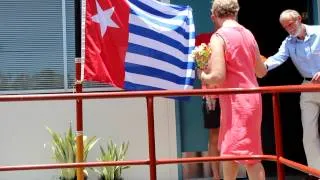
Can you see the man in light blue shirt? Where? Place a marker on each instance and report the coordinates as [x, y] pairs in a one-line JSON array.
[[303, 47]]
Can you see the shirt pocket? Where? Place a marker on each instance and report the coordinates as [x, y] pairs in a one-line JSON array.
[[292, 52], [316, 51]]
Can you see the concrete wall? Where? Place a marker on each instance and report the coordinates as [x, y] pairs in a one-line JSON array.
[[24, 139]]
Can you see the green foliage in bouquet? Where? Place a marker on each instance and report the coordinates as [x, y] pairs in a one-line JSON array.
[[64, 151], [201, 54], [112, 152]]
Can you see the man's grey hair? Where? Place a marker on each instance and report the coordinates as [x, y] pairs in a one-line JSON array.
[[289, 13], [225, 8]]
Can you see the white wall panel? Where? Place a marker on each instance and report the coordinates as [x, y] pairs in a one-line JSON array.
[[24, 139]]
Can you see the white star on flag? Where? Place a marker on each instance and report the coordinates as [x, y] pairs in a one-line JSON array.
[[103, 17]]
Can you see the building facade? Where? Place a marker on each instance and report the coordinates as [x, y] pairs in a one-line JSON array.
[[37, 50]]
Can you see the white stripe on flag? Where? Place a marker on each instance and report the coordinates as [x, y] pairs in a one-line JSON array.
[[154, 82], [165, 8], [158, 64], [136, 20], [171, 21], [157, 45], [143, 22]]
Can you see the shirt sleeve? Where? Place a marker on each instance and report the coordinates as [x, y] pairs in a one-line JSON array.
[[280, 57]]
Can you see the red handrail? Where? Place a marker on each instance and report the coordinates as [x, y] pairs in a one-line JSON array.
[[152, 161], [160, 93]]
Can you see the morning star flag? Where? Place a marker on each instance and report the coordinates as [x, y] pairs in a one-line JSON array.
[[139, 44]]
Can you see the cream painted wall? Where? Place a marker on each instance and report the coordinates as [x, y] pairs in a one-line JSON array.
[[24, 139]]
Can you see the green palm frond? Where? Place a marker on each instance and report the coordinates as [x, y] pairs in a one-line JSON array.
[[113, 152], [64, 150]]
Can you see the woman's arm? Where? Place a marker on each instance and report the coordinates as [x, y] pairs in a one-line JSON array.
[[216, 67], [260, 68]]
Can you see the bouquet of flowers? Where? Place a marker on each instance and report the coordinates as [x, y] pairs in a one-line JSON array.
[[201, 55]]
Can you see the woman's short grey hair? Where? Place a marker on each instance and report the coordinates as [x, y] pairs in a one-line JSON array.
[[225, 8], [293, 14]]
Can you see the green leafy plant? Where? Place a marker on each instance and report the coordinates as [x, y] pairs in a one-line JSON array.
[[113, 152], [64, 150]]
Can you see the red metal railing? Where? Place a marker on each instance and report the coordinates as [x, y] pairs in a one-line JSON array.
[[153, 161]]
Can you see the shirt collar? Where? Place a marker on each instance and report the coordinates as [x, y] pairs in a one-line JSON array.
[[309, 32]]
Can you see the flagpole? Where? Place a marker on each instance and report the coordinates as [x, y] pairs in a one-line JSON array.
[[79, 107]]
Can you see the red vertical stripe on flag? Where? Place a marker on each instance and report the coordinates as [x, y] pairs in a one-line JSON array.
[[106, 37]]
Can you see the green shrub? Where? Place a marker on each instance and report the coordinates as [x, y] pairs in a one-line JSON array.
[[112, 153], [64, 150]]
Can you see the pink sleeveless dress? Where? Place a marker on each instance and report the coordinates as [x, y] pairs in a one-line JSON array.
[[241, 114]]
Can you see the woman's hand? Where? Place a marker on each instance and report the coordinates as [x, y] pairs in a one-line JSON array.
[[211, 102], [263, 58]]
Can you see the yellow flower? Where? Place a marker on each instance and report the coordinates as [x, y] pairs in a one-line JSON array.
[[201, 55]]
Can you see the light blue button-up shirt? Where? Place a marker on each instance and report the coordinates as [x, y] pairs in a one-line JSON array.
[[305, 54]]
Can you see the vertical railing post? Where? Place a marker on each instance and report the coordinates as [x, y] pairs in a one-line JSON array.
[[79, 130], [278, 135], [151, 139], [79, 118]]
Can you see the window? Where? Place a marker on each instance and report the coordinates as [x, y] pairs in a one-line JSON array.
[[31, 46], [37, 46]]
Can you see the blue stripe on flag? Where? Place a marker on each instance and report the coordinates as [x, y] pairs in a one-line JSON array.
[[157, 73], [138, 87], [162, 35], [138, 49], [159, 37]]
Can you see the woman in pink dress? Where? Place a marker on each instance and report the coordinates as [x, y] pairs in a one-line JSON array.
[[235, 63]]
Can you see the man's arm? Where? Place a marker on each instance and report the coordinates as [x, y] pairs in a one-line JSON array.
[[280, 57]]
